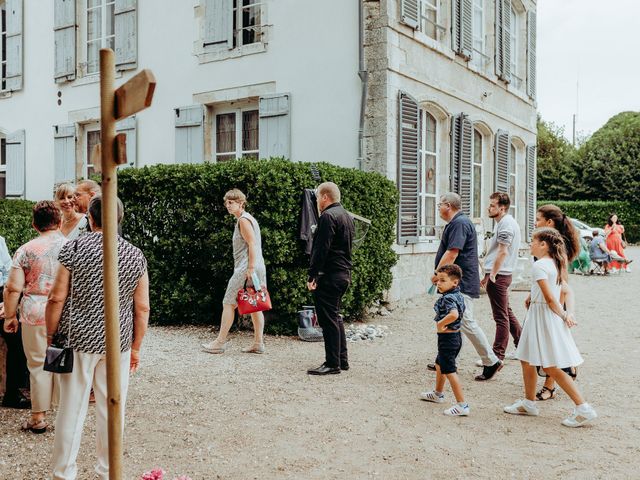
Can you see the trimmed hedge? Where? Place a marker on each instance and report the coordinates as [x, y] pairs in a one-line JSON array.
[[15, 222], [596, 213], [174, 213]]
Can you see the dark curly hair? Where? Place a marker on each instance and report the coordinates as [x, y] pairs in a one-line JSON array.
[[453, 271], [46, 216]]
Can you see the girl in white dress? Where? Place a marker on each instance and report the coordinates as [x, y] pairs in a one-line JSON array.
[[546, 340]]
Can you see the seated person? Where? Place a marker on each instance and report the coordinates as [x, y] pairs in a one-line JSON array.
[[599, 252]]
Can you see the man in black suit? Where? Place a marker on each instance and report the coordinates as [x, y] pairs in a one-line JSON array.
[[330, 275]]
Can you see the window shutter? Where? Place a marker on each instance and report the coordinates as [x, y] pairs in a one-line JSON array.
[[502, 152], [274, 129], [218, 23], [531, 54], [64, 153], [14, 9], [531, 189], [462, 13], [15, 164], [461, 159], [409, 12], [503, 39], [189, 123], [126, 42], [128, 127], [64, 32], [408, 169]]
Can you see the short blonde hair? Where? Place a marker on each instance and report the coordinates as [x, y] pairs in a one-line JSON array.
[[63, 190], [329, 189], [235, 195]]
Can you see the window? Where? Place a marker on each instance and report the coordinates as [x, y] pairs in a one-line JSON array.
[[3, 167], [93, 163], [100, 31], [236, 134], [478, 57], [513, 181], [514, 28], [3, 54], [477, 174], [429, 18], [428, 158], [246, 22]]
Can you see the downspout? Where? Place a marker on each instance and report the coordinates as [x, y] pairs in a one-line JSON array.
[[364, 79]]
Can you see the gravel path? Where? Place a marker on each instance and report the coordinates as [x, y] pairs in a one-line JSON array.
[[239, 416]]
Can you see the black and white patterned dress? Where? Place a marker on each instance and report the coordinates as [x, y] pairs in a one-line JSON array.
[[85, 302]]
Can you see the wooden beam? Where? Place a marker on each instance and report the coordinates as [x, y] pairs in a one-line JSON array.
[[135, 95], [120, 149]]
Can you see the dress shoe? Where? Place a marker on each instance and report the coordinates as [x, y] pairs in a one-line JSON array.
[[490, 371], [18, 401], [323, 370], [344, 366]]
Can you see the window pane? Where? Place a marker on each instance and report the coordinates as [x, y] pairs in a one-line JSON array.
[[512, 160], [224, 158], [250, 22], [93, 164], [430, 216], [250, 130], [93, 3], [93, 56], [477, 147], [111, 20], [226, 133], [430, 127], [429, 18], [430, 173], [3, 151], [477, 190], [94, 24]]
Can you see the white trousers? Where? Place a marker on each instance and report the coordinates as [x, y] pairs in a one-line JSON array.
[[34, 341], [476, 335], [88, 370]]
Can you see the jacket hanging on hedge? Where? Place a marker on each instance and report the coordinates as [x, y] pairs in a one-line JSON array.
[[308, 218]]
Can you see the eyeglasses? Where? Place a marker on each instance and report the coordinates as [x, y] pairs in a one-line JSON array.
[[442, 204]]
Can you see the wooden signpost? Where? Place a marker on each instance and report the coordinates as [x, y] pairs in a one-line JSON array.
[[130, 98]]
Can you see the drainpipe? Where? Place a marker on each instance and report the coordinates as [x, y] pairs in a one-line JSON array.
[[364, 78]]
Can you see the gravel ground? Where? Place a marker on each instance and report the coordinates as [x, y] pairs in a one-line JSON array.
[[239, 416]]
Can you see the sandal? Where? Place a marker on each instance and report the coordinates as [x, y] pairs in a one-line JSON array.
[[37, 427], [546, 394], [573, 373]]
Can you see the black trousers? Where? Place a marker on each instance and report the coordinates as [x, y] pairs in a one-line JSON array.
[[328, 297], [17, 373]]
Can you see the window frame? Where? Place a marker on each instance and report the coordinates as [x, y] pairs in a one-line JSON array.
[[481, 165], [238, 111], [513, 180], [82, 48], [423, 18], [238, 20], [515, 25], [479, 58], [422, 193], [3, 46]]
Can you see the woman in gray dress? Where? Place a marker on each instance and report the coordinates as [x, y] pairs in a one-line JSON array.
[[247, 258]]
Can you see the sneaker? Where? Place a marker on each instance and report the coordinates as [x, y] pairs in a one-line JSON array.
[[432, 397], [458, 410], [510, 355], [519, 408], [577, 419]]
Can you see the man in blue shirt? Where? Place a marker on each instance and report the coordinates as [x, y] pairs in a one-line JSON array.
[[459, 245]]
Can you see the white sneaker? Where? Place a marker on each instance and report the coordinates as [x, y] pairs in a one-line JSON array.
[[510, 355], [458, 410], [577, 419], [432, 397], [519, 408]]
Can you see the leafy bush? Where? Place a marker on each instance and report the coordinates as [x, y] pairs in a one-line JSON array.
[[174, 213], [15, 222], [596, 213]]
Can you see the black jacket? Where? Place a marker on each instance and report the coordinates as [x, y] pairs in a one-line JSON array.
[[332, 242]]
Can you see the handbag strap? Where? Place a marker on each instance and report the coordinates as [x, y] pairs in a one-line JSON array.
[[75, 250]]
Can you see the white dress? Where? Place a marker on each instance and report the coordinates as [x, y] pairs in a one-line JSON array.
[[546, 340]]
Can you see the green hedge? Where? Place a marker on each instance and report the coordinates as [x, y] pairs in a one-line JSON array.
[[15, 222], [596, 213], [174, 213]]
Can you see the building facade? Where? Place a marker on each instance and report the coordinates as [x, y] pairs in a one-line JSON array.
[[437, 95]]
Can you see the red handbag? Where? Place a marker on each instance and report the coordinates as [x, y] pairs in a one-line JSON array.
[[251, 300]]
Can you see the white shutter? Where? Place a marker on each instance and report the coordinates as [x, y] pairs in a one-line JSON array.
[[531, 54], [408, 169], [15, 164], [189, 134], [274, 128], [64, 32], [461, 159], [502, 153], [218, 23], [531, 190], [14, 56], [128, 127], [410, 12], [126, 43], [64, 153]]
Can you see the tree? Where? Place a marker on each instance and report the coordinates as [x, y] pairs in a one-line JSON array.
[[556, 160]]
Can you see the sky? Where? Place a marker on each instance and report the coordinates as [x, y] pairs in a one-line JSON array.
[[588, 56]]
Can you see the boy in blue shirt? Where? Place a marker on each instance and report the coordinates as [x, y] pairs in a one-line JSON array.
[[449, 309]]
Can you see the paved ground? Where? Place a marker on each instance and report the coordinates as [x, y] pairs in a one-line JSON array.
[[238, 416]]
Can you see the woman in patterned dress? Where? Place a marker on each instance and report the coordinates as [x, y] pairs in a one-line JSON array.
[[247, 258]]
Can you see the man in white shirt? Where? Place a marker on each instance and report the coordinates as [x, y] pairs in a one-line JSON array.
[[499, 265]]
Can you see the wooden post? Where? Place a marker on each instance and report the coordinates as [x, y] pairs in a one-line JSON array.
[[109, 242]]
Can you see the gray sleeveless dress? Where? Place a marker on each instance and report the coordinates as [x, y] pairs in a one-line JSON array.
[[241, 261]]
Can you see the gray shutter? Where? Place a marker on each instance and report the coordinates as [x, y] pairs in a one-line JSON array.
[[531, 190], [503, 39], [531, 54], [502, 152], [218, 23], [408, 169], [64, 153], [462, 14], [410, 12], [126, 41], [64, 32], [14, 56], [128, 127], [15, 164], [274, 129], [189, 134], [461, 159]]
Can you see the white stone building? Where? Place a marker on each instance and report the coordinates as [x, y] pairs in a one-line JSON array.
[[414, 89]]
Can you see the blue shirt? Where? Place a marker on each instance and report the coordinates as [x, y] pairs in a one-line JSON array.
[[451, 300], [460, 233]]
